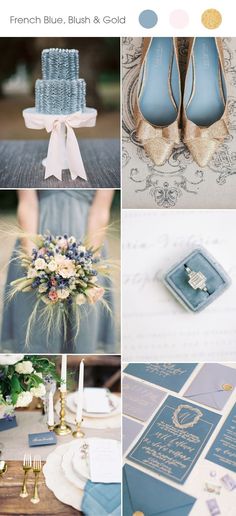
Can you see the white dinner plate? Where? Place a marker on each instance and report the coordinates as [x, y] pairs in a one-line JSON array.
[[78, 479], [75, 462], [55, 480]]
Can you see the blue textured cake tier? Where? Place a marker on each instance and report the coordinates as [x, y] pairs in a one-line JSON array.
[[60, 63], [60, 97]]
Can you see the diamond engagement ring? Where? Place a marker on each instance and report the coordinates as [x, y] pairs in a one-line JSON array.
[[197, 280]]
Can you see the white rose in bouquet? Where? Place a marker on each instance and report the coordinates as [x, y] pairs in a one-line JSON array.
[[39, 391], [24, 399], [24, 367], [63, 293], [2, 411], [80, 299], [10, 359], [40, 264]]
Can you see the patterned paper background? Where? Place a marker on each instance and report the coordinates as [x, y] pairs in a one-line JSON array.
[[180, 183]]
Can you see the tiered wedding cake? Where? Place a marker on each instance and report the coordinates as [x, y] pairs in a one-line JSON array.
[[60, 91]]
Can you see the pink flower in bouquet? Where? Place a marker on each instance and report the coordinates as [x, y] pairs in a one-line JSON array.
[[62, 243], [42, 251], [53, 295], [65, 267], [94, 294], [32, 273], [53, 282]]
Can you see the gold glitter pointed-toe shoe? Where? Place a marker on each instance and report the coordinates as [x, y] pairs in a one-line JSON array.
[[205, 117], [158, 103]]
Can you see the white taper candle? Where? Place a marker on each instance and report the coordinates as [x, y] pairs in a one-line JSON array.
[[80, 393], [50, 409], [63, 372]]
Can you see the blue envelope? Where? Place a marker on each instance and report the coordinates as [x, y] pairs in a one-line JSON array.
[[151, 496], [213, 385]]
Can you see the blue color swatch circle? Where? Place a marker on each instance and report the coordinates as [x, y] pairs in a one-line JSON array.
[[148, 19]]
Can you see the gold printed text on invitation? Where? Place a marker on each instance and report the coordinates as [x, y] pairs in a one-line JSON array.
[[174, 439]]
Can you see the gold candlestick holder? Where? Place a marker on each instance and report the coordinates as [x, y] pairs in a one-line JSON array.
[[78, 433], [62, 428]]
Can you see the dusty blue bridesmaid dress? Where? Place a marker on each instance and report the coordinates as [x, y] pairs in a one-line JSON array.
[[60, 212]]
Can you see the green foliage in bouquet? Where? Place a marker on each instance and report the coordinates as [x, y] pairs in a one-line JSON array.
[[22, 377]]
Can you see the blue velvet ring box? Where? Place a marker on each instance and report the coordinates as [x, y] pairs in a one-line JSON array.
[[217, 280]]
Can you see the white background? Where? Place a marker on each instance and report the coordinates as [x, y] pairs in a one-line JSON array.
[[129, 9]]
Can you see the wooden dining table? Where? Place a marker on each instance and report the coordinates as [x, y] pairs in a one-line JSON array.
[[12, 504]]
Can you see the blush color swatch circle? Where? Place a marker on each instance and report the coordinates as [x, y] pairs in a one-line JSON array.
[[211, 19], [148, 19], [179, 19]]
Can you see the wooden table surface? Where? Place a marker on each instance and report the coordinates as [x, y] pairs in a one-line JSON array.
[[21, 165], [11, 503]]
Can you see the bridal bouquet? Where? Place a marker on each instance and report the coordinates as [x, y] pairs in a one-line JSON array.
[[63, 273], [21, 378]]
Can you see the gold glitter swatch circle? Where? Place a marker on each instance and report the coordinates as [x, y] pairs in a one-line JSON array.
[[211, 19]]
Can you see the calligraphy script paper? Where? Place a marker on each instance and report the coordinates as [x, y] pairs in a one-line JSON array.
[[174, 439], [155, 326], [169, 376], [130, 429], [223, 450], [140, 400]]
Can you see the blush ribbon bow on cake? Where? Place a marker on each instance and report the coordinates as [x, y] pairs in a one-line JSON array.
[[63, 149]]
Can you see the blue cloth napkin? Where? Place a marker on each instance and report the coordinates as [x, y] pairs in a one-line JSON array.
[[101, 499]]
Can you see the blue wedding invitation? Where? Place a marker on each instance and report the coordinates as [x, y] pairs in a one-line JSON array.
[[223, 450], [174, 439], [169, 376]]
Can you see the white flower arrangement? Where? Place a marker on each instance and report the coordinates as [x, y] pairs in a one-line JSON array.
[[22, 378]]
